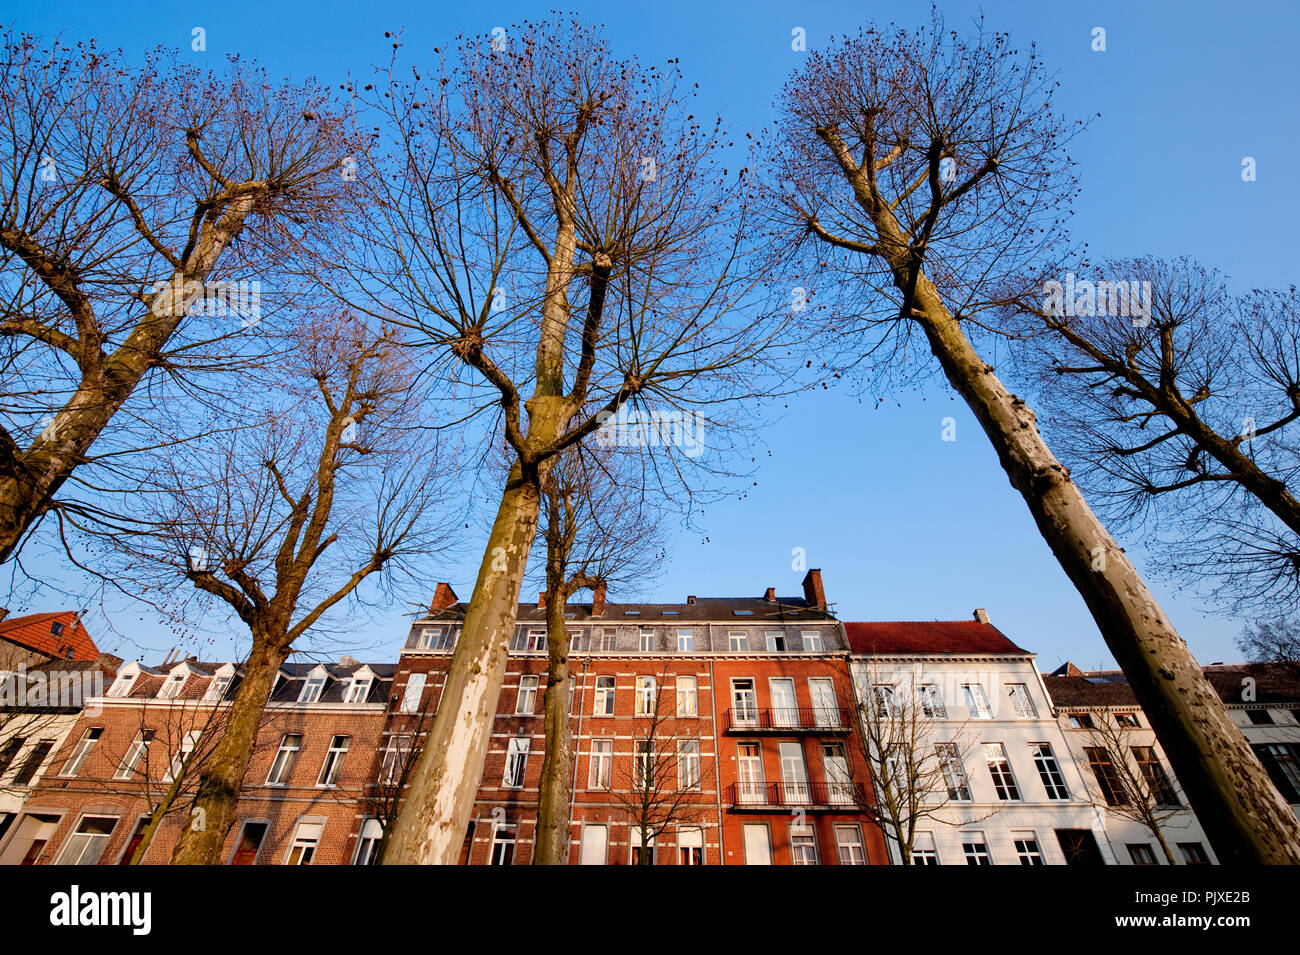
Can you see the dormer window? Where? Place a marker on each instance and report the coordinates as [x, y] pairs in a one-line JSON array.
[[172, 688], [122, 685], [312, 689], [56, 628], [219, 685], [357, 690]]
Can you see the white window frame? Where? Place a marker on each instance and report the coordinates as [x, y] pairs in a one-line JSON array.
[[77, 759], [332, 767], [188, 743], [688, 765], [173, 685], [856, 848], [974, 847], [395, 754], [604, 693], [286, 760], [97, 840], [516, 762], [1022, 704], [775, 640], [737, 636], [688, 698], [306, 840], [368, 839], [138, 750], [977, 701], [358, 690], [954, 772], [812, 643], [647, 640], [600, 773], [1026, 855], [1007, 790], [646, 691], [685, 640], [526, 701], [312, 688], [414, 692], [932, 702], [1049, 771]]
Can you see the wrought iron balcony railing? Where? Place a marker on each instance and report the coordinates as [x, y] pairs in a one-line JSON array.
[[809, 719], [761, 797]]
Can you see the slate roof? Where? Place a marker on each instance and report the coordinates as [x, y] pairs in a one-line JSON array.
[[703, 610], [929, 637], [1276, 683], [36, 632]]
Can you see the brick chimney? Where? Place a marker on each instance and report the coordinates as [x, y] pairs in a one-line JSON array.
[[981, 615], [770, 596], [598, 599], [541, 600], [443, 597], [813, 593], [691, 599]]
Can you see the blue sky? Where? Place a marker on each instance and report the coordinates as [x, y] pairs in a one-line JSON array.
[[903, 524]]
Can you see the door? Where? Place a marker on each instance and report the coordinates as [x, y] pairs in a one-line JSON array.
[[30, 838], [595, 846], [826, 711], [785, 711], [250, 840], [749, 772], [794, 775], [758, 845], [133, 843], [838, 782]]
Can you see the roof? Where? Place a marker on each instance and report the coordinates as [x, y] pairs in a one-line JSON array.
[[1273, 683], [152, 679], [929, 637], [36, 632], [703, 609]]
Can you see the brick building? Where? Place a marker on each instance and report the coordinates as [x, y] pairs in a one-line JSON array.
[[759, 715], [303, 795]]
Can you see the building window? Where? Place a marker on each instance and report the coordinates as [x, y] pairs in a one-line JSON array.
[[688, 764], [503, 844], [644, 764], [1193, 853], [749, 773], [312, 689], [306, 837], [1081, 721], [685, 641], [358, 690], [976, 849], [647, 640], [635, 840], [1048, 771], [32, 764], [848, 843], [690, 846], [285, 760], [758, 844], [368, 840], [428, 638], [602, 764], [604, 696], [527, 696], [333, 765], [1141, 854], [1108, 778], [803, 848], [954, 773], [737, 641], [923, 849], [609, 639], [11, 749], [883, 695], [516, 761], [840, 790], [395, 758], [218, 687], [1021, 703], [536, 641], [1027, 850], [976, 702], [932, 702], [122, 685], [812, 641], [775, 641], [84, 745], [744, 702], [1283, 767], [414, 691], [1260, 717], [687, 698], [594, 847], [250, 841], [1153, 773], [1128, 720], [178, 767], [645, 696], [995, 754], [88, 842], [139, 749]]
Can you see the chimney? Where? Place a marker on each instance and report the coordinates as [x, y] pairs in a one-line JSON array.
[[770, 596], [541, 600], [347, 661], [4, 612], [981, 615], [813, 593], [690, 599], [443, 597], [598, 599]]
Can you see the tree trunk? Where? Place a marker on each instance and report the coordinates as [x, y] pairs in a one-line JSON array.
[[1243, 815], [431, 827], [217, 798], [155, 820], [1160, 838], [553, 823]]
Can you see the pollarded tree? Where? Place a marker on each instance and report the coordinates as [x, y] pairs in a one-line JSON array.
[[325, 478], [921, 173], [561, 231], [131, 200]]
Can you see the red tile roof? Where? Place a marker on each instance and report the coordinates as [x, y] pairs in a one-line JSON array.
[[928, 636], [35, 631]]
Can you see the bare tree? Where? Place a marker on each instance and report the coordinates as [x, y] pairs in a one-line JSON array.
[[916, 772], [330, 480], [1132, 782], [130, 199], [596, 530], [1272, 640], [926, 172], [397, 761], [662, 781], [1172, 397], [564, 235]]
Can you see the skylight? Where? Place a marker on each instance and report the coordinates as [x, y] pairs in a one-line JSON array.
[[743, 613]]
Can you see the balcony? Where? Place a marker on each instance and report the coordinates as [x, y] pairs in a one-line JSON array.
[[783, 797], [781, 721]]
